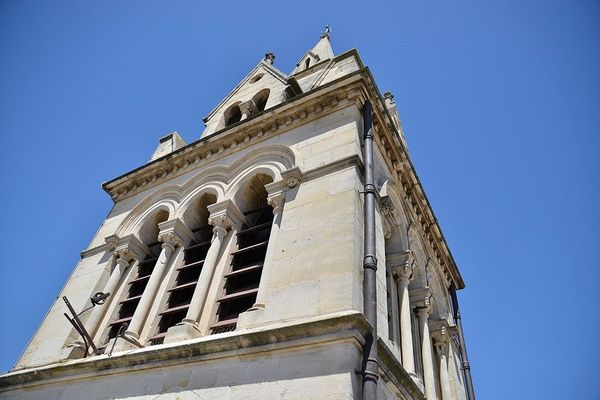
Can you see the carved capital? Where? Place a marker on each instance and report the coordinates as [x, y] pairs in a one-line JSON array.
[[248, 108], [174, 233], [386, 206], [112, 242], [276, 192], [169, 240], [225, 215], [128, 248], [402, 265], [441, 339], [292, 177]]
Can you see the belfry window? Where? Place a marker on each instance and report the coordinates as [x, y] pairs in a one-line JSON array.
[[243, 278], [260, 99], [179, 296], [233, 114], [138, 282]]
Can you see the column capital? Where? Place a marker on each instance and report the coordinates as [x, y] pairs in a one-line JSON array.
[[421, 297], [127, 248], [276, 195], [292, 177], [402, 265], [225, 215], [174, 233]]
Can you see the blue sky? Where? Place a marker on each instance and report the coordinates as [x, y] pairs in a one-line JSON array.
[[500, 103]]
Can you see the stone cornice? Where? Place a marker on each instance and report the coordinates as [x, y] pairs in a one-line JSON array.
[[311, 332], [398, 160], [295, 112]]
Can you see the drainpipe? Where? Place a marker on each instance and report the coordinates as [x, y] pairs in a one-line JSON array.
[[466, 368], [370, 371]]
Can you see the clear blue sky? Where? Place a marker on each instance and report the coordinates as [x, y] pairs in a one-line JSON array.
[[500, 103]]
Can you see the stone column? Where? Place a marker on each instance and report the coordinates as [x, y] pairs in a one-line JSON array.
[[403, 273], [126, 251], [426, 353], [275, 199], [172, 234], [122, 263], [441, 347], [223, 216]]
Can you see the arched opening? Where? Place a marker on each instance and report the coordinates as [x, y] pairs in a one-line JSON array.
[[260, 99], [307, 63], [186, 276], [138, 281], [256, 78], [233, 114], [243, 277]]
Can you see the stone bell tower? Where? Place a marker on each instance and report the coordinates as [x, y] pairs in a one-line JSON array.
[[289, 253]]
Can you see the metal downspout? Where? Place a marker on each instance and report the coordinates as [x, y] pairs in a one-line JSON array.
[[370, 371], [466, 367]]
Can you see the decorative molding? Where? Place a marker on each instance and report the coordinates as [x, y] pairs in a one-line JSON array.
[[225, 214], [292, 177], [276, 195], [174, 233], [128, 248], [402, 265]]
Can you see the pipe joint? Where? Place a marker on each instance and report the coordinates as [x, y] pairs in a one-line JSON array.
[[369, 188], [370, 262]]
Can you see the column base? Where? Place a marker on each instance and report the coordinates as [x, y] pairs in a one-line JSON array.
[[251, 318], [74, 350], [257, 306], [417, 381], [182, 331], [123, 344]]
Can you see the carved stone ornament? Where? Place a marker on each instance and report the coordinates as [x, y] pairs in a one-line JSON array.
[[170, 239], [292, 177], [402, 265], [174, 233], [129, 248], [248, 108], [225, 214], [386, 206], [112, 241]]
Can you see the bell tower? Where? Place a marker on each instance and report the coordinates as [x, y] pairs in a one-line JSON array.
[[288, 253]]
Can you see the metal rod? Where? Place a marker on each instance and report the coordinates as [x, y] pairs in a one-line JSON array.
[[370, 364], [465, 367], [82, 331]]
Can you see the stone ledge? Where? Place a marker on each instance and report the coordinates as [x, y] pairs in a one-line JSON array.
[[395, 372], [338, 327]]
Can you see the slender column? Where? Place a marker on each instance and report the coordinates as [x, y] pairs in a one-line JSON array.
[[122, 263], [169, 242], [403, 275], [441, 347], [208, 268], [276, 201], [428, 371]]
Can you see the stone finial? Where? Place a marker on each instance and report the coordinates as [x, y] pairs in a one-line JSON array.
[[270, 58]]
